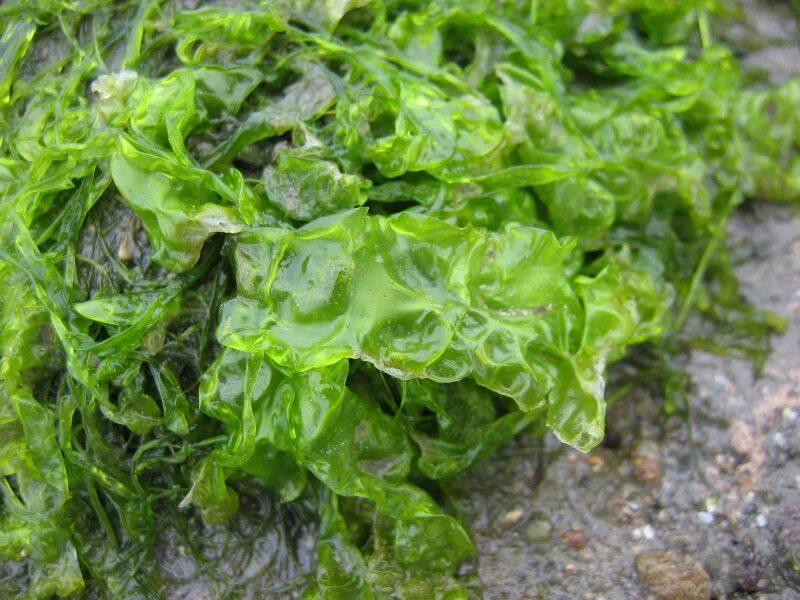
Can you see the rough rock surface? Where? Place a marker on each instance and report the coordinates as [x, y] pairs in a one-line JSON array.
[[672, 576]]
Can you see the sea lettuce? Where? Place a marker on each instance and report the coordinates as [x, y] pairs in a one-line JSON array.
[[422, 299], [307, 261]]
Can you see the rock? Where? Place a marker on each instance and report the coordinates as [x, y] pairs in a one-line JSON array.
[[647, 533], [741, 437], [539, 530], [126, 251], [749, 579], [647, 464], [575, 539], [596, 461], [706, 518], [512, 517], [673, 576]]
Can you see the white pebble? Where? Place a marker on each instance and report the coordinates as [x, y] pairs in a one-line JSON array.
[[513, 517], [761, 521], [705, 517]]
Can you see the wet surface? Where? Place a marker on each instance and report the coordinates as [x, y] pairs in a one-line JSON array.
[[721, 496], [767, 43], [667, 507], [268, 550]]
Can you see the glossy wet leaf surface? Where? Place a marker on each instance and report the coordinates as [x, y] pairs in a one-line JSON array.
[[295, 264]]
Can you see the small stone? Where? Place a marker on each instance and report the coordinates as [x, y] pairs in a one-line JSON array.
[[647, 533], [673, 576], [722, 380], [647, 469], [625, 514], [761, 521], [538, 530], [741, 438], [512, 517], [725, 463], [748, 580], [575, 539], [569, 568], [125, 252], [705, 517], [596, 461]]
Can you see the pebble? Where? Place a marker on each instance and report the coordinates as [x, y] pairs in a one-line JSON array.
[[673, 576], [725, 463], [538, 530], [705, 517], [596, 461], [647, 533], [722, 380], [648, 469], [512, 517], [575, 539], [125, 252], [761, 521], [748, 580], [741, 438], [625, 514]]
